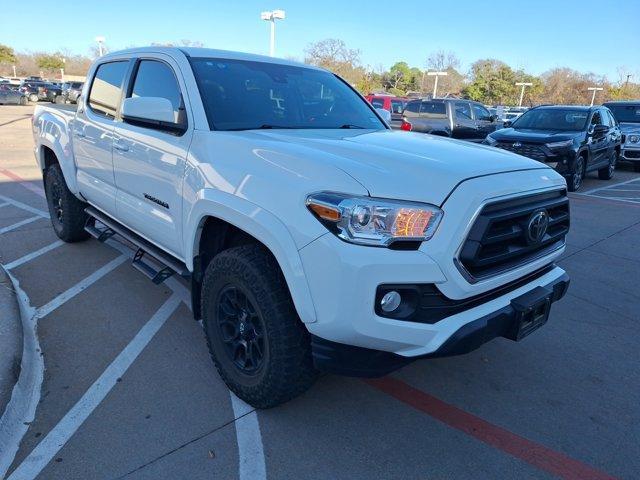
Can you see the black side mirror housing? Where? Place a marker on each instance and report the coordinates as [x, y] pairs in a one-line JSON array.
[[600, 130], [506, 123]]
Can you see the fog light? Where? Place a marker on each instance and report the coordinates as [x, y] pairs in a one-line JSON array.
[[390, 301]]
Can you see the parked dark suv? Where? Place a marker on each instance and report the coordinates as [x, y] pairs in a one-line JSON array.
[[463, 119], [573, 140], [627, 113]]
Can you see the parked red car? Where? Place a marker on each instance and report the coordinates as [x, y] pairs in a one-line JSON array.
[[393, 104]]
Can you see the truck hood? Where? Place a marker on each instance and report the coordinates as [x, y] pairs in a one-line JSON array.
[[629, 127], [533, 136], [394, 164]]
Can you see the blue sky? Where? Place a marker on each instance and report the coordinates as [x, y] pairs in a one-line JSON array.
[[588, 35]]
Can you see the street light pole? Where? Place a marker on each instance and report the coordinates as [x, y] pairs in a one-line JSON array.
[[100, 41], [14, 71], [626, 84], [594, 90], [271, 17], [435, 83], [523, 85]]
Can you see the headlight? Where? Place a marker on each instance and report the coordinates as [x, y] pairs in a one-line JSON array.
[[374, 221], [563, 144], [490, 140], [634, 138]]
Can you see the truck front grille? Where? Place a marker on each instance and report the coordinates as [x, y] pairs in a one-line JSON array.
[[530, 150], [509, 233]]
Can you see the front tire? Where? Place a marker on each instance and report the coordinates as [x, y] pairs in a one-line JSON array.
[[68, 217], [258, 344], [574, 181], [607, 172]]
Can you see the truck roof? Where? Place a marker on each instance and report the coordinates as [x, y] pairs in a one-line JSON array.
[[209, 53]]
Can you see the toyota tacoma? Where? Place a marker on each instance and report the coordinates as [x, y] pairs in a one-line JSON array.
[[315, 238]]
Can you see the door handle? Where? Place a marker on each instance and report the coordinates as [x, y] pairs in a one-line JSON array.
[[119, 146], [79, 133]]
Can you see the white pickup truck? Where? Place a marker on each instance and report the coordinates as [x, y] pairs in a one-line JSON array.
[[315, 238]]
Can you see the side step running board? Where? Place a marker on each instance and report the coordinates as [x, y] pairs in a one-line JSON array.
[[168, 265]]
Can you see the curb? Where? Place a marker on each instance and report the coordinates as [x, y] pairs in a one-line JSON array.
[[20, 410], [10, 339]]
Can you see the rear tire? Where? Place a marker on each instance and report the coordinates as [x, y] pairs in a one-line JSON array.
[[24, 101], [33, 98], [607, 172], [66, 211], [258, 344]]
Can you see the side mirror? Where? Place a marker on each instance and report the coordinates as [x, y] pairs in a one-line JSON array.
[[493, 118], [600, 130], [152, 112], [507, 123], [385, 114]]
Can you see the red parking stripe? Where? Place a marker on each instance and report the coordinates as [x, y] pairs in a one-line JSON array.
[[535, 454], [25, 183]]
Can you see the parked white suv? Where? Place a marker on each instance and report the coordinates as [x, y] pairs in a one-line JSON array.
[[314, 236]]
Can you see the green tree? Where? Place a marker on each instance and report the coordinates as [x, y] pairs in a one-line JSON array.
[[7, 55], [492, 82], [49, 62]]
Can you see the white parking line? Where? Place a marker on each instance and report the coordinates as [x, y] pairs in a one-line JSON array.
[[32, 255], [24, 206], [44, 452], [248, 437], [18, 225], [594, 190], [79, 287], [5, 204]]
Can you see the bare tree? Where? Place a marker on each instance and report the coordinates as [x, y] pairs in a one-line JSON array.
[[333, 54]]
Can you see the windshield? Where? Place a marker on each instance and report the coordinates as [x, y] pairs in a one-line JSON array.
[[552, 119], [626, 113], [244, 95]]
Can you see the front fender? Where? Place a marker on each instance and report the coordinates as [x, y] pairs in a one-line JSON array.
[[260, 224], [53, 132]]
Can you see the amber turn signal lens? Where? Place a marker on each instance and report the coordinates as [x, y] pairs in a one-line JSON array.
[[324, 212], [412, 222]]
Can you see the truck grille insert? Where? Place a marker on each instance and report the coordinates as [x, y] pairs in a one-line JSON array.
[[525, 149], [508, 234]]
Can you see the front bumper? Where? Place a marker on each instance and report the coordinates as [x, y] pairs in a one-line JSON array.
[[630, 154], [356, 361]]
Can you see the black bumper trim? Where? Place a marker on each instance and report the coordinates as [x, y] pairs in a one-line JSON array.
[[355, 361]]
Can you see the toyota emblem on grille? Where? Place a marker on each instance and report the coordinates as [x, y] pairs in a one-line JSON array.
[[538, 224], [516, 145]]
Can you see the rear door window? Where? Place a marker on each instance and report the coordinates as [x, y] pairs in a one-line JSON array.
[[412, 108], [107, 88], [433, 110], [377, 102]]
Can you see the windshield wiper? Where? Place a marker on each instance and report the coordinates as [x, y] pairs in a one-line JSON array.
[[348, 125], [268, 126]]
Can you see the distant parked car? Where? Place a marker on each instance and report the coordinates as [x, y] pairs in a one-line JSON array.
[[448, 117], [395, 105], [50, 92], [71, 91], [628, 116], [30, 89], [572, 140], [10, 95]]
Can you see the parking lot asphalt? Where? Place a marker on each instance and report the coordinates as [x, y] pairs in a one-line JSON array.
[[129, 390]]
